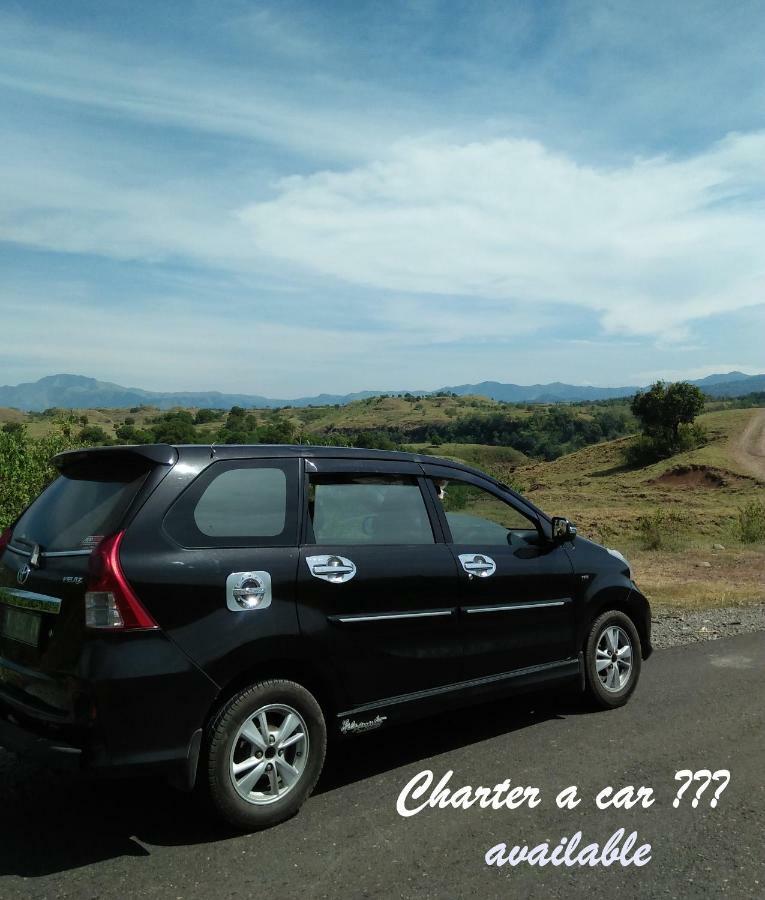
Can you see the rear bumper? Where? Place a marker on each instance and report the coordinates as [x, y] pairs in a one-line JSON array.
[[48, 751], [139, 710]]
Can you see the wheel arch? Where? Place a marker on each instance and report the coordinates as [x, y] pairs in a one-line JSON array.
[[304, 672], [627, 600]]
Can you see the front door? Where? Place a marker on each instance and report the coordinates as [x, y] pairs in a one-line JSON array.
[[517, 588], [377, 587]]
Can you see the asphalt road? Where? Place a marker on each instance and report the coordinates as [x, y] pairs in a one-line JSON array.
[[697, 707]]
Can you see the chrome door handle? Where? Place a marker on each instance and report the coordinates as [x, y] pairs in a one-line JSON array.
[[335, 569], [478, 564]]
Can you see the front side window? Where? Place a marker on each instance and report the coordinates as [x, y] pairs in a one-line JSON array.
[[476, 516], [367, 509]]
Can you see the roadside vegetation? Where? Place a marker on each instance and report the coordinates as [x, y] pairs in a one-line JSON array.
[[385, 422], [672, 487], [25, 467]]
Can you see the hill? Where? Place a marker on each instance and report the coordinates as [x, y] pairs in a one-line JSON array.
[[557, 392], [541, 431], [669, 517], [81, 392]]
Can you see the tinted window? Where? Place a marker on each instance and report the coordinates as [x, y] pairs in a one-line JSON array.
[[357, 509], [81, 507], [242, 502], [238, 503], [477, 516]]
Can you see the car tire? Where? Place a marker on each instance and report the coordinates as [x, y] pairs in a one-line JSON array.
[[264, 752], [612, 659]]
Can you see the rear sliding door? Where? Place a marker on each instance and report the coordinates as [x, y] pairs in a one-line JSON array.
[[377, 588]]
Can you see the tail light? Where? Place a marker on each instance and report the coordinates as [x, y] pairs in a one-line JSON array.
[[110, 602], [5, 539]]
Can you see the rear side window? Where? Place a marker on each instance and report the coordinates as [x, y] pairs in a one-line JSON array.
[[358, 509], [238, 503], [79, 508]]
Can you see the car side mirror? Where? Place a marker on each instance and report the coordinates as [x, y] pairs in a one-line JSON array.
[[562, 529]]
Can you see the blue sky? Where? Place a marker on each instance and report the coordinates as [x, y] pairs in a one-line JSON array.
[[287, 198]]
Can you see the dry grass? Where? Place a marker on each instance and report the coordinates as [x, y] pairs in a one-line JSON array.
[[480, 455], [697, 496], [734, 577], [607, 499]]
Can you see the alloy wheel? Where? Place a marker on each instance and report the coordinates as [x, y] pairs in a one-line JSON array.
[[269, 754], [613, 658]]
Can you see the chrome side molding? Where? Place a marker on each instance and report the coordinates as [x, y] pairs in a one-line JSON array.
[[386, 617], [512, 607]]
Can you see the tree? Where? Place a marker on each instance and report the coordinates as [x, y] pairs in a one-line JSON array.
[[94, 434], [277, 431], [666, 413], [206, 415], [129, 434], [176, 427]]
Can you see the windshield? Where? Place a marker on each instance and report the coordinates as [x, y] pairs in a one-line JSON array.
[[80, 507]]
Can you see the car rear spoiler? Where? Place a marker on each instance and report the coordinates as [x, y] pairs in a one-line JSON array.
[[159, 454]]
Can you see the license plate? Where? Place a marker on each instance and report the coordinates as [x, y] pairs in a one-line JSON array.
[[20, 625]]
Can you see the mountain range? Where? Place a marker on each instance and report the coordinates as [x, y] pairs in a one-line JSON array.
[[81, 392]]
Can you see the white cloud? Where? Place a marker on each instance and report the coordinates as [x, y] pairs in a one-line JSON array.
[[650, 246], [253, 102], [435, 230]]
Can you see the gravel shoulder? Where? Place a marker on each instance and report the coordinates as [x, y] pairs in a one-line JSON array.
[[673, 628]]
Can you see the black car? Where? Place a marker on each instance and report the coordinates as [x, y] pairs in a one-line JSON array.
[[214, 613]]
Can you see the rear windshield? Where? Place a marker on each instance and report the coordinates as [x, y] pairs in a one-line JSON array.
[[80, 507]]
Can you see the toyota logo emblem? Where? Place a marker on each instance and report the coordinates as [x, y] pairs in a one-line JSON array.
[[23, 573]]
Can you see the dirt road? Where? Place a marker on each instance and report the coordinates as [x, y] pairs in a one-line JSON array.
[[749, 449]]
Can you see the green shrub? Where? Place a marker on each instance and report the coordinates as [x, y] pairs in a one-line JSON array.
[[646, 449], [660, 530], [751, 522], [94, 434], [607, 534], [207, 415], [25, 469], [641, 452]]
